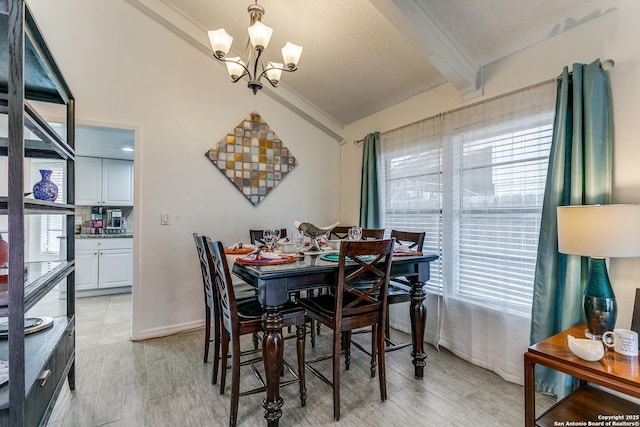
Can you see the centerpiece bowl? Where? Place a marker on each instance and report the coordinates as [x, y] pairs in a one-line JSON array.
[[314, 233]]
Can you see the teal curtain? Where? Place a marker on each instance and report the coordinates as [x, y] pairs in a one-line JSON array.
[[579, 173], [370, 203]]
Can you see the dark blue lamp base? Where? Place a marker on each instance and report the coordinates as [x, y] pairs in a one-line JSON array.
[[599, 301]]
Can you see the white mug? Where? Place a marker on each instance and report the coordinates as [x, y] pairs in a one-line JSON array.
[[623, 341]]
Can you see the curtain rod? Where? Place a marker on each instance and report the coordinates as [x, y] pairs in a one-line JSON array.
[[606, 65]]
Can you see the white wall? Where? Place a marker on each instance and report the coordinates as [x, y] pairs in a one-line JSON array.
[[127, 71], [611, 36]]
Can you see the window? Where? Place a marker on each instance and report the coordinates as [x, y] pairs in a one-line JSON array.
[[474, 180]]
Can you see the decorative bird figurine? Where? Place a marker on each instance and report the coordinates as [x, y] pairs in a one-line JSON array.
[[314, 232]]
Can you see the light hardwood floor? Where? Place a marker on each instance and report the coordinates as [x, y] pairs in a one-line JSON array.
[[163, 382]]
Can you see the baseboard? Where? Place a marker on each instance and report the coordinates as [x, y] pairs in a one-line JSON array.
[[164, 331], [97, 292]]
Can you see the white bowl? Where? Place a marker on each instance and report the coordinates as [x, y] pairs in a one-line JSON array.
[[590, 350], [287, 248]]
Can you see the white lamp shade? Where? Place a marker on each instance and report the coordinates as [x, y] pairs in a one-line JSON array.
[[220, 40], [234, 66], [599, 230], [274, 71], [291, 54], [260, 34]]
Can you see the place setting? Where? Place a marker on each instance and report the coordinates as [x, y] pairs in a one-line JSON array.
[[399, 249], [270, 252]]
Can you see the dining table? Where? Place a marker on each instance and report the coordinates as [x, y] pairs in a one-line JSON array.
[[275, 283]]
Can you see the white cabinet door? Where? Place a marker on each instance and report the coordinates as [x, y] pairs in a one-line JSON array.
[[117, 182], [116, 268], [86, 269], [88, 181]]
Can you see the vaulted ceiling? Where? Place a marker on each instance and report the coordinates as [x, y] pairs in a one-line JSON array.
[[362, 56]]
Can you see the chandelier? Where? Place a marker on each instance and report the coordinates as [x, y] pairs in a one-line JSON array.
[[254, 63]]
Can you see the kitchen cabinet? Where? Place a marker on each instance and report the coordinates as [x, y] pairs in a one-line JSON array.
[[103, 264], [88, 181], [39, 363], [107, 182]]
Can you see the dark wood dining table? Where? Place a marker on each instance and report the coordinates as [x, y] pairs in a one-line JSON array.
[[274, 284]]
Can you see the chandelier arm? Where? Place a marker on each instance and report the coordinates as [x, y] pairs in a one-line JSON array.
[[264, 73], [245, 73]]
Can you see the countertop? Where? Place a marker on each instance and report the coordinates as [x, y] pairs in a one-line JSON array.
[[100, 236], [104, 236]]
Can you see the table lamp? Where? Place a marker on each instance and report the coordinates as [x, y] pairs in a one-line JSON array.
[[599, 232]]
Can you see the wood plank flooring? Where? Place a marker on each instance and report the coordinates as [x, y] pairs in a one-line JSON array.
[[163, 382]]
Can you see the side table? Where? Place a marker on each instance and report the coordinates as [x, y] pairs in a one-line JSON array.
[[586, 405]]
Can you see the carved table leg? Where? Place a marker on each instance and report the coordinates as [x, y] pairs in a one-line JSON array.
[[418, 313], [272, 350]]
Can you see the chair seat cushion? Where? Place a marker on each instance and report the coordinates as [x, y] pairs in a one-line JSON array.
[[396, 293], [324, 305]]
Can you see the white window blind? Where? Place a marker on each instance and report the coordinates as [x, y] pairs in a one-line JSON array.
[[502, 179], [412, 175], [473, 180]]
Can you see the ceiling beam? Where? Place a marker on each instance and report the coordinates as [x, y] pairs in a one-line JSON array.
[[412, 19], [197, 37]]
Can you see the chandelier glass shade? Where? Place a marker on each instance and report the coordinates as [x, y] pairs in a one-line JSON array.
[[254, 64]]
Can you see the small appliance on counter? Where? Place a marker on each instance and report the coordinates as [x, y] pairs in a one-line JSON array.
[[96, 220], [114, 222]]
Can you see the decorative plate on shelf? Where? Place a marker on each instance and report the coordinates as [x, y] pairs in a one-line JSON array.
[[31, 325], [4, 372]]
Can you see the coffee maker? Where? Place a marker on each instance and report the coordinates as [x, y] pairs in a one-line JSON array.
[[114, 222]]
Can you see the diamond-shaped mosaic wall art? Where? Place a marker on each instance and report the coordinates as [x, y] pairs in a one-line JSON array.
[[253, 158]]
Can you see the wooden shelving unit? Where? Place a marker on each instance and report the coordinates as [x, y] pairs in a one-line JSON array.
[[39, 363]]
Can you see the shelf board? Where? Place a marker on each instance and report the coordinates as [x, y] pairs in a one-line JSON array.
[[38, 347], [39, 207], [49, 144], [586, 404], [41, 278], [44, 81]]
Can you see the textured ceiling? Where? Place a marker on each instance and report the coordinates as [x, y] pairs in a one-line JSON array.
[[361, 56], [489, 30]]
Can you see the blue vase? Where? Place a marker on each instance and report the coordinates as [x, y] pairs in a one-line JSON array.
[[45, 189], [599, 302]]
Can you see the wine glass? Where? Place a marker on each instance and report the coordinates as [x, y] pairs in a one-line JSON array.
[[267, 238], [275, 235], [355, 233], [297, 237]]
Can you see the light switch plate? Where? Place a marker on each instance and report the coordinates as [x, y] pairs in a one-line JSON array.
[[164, 219]]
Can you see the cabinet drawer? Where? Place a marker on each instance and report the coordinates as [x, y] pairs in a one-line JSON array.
[[42, 391], [103, 243]]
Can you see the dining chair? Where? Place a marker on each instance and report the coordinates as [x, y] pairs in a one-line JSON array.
[[211, 310], [258, 235], [349, 307], [400, 287], [239, 318], [342, 232], [399, 291]]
